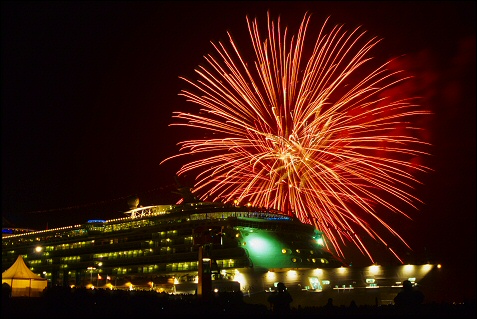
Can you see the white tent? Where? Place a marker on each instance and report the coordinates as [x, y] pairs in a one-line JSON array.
[[23, 281]]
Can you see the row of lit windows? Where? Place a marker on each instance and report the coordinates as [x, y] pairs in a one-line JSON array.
[[96, 228], [121, 271], [39, 262], [226, 263], [17, 240], [127, 225], [181, 266], [224, 215], [168, 241], [125, 254], [44, 235], [34, 262], [80, 244], [167, 250], [148, 269], [168, 233], [70, 259]]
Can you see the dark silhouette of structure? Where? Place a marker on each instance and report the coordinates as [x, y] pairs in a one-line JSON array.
[[408, 296], [280, 300], [81, 303]]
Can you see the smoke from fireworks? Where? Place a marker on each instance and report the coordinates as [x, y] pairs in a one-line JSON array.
[[312, 131]]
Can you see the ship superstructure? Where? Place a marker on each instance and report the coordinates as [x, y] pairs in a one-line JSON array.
[[157, 247], [159, 241]]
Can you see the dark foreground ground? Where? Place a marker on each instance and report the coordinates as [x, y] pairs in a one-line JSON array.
[[83, 303]]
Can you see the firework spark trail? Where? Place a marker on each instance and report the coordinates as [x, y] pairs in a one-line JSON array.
[[315, 136]]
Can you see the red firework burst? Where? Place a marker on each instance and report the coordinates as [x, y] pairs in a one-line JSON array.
[[312, 131]]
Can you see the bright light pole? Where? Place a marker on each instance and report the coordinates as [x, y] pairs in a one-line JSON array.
[[91, 268]]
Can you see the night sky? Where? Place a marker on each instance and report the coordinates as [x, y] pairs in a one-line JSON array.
[[88, 91]]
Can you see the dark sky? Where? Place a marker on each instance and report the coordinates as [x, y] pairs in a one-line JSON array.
[[88, 90]]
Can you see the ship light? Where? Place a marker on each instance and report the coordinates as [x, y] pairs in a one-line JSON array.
[[239, 277], [426, 267], [408, 268], [374, 269], [318, 272], [292, 274], [259, 244], [271, 276], [342, 270]]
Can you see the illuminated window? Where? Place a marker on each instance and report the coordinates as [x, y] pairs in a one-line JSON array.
[[165, 250], [188, 240]]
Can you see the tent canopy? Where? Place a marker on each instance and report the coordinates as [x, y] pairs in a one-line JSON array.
[[19, 270], [22, 280]]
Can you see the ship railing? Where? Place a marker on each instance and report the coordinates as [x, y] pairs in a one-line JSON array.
[[239, 214], [149, 211]]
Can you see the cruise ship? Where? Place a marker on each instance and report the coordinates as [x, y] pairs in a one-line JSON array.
[[202, 248]]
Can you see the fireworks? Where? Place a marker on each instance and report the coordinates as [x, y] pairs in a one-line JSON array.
[[312, 131]]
